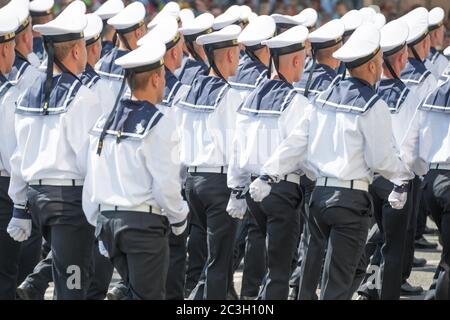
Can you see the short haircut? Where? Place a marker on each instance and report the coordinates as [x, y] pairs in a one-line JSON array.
[[138, 81], [62, 49]]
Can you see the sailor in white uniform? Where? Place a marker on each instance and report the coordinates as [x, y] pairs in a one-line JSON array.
[[446, 74], [308, 17], [339, 140], [41, 12], [166, 31], [352, 20], [436, 19], [9, 249], [252, 70], [23, 72], [324, 42], [137, 215], [196, 63], [268, 116], [52, 121], [429, 155], [107, 10], [130, 27], [416, 76], [206, 121], [396, 251]]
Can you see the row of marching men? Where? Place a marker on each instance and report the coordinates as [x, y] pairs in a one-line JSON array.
[[281, 126]]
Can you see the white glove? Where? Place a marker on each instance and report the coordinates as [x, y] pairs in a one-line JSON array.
[[259, 189], [237, 205], [398, 197], [102, 249], [177, 230], [19, 229]]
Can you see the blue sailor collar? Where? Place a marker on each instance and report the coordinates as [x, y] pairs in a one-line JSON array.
[[190, 70], [171, 88], [38, 47], [89, 77], [108, 69], [445, 76], [349, 95], [308, 64], [249, 74], [4, 85], [394, 92], [19, 67], [107, 46], [269, 99], [414, 72], [133, 120], [438, 100], [205, 94], [64, 89], [323, 78]]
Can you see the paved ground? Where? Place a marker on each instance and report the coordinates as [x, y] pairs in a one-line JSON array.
[[420, 276]]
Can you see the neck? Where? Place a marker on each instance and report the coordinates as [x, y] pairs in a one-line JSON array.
[[3, 70], [287, 74], [21, 48], [69, 66], [91, 61], [131, 42], [263, 58], [387, 74], [145, 95], [222, 70], [170, 65]]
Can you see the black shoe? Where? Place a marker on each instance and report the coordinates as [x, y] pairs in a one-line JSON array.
[[423, 243], [409, 290], [419, 262], [26, 291], [117, 293], [430, 231]]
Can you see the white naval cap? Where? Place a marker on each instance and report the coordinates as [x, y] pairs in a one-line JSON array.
[[308, 17], [93, 29], [352, 20], [8, 25], [186, 16], [68, 25], [226, 37], [144, 58], [231, 16], [290, 41], [129, 19], [252, 16], [259, 29], [379, 20], [447, 52], [417, 21], [19, 9], [165, 32], [171, 9], [284, 21], [367, 13], [361, 47], [109, 9], [200, 25], [393, 37], [39, 8], [246, 12], [328, 35], [436, 18]]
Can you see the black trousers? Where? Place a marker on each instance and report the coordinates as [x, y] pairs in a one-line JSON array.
[[255, 259], [436, 195], [138, 247], [208, 195], [392, 225], [9, 248], [63, 224], [279, 216], [176, 275], [30, 254], [343, 217], [197, 252], [416, 196]]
